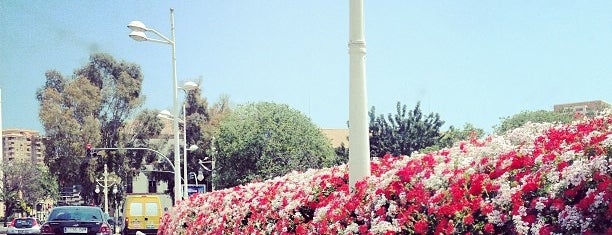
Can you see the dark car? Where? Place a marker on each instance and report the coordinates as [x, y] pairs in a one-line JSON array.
[[77, 220], [26, 225]]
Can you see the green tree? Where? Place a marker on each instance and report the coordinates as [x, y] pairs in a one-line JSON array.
[[454, 135], [25, 185], [93, 106], [342, 153], [403, 133], [259, 141], [518, 120]]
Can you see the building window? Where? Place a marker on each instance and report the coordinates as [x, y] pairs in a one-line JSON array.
[[152, 186]]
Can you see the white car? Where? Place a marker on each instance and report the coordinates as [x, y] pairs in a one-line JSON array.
[[25, 225]]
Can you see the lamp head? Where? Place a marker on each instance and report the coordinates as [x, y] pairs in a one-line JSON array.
[[200, 176], [193, 148], [189, 86], [137, 25], [97, 189], [165, 114], [139, 36]]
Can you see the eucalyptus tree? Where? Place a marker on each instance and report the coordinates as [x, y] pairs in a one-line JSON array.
[[259, 141], [95, 105]]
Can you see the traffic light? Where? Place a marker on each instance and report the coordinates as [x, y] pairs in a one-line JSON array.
[[88, 152]]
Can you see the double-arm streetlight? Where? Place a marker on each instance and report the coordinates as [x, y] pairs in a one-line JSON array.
[[139, 34], [104, 183], [167, 115]]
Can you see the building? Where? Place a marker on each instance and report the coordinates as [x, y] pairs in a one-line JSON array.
[[337, 137], [22, 145], [582, 107]]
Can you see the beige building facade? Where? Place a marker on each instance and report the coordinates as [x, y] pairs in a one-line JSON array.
[[582, 107], [22, 145]]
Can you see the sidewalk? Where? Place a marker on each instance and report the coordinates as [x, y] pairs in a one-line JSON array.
[[2, 229]]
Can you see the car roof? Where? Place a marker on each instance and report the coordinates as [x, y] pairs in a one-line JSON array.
[[68, 207]]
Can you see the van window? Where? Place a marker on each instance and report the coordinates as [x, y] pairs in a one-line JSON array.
[[151, 208], [136, 209]]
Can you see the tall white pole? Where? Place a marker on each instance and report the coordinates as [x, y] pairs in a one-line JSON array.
[[186, 187], [105, 174], [175, 120], [213, 169], [1, 155], [359, 142]]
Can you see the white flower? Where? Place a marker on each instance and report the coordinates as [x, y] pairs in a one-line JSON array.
[[495, 217], [521, 226], [352, 228], [381, 227], [539, 204], [570, 218]]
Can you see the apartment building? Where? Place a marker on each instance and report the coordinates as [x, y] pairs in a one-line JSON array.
[[22, 145]]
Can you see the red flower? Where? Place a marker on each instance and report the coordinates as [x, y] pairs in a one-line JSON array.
[[381, 211], [586, 202], [546, 230], [531, 219], [420, 227], [363, 229], [561, 166], [530, 187], [468, 219], [489, 228], [558, 204]]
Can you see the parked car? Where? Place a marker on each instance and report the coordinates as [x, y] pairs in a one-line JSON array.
[[25, 225], [77, 220]]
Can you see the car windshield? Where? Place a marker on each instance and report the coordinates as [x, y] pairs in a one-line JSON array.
[[24, 223], [76, 213]]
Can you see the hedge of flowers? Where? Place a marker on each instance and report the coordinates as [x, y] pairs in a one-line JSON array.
[[538, 179]]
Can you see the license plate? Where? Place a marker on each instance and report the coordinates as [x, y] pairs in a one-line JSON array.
[[75, 230], [135, 224]]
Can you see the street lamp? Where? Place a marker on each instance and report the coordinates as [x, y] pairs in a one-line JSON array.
[[167, 115], [212, 170], [139, 34], [104, 183]]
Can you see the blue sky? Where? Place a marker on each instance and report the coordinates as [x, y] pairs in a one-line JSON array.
[[470, 61]]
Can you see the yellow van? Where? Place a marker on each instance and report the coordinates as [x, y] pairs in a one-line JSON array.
[[142, 212]]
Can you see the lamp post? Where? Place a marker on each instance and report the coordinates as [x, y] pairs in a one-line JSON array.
[[359, 145], [167, 115], [212, 173], [104, 183], [139, 34]]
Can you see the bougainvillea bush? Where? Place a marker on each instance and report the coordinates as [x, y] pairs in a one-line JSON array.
[[538, 179]]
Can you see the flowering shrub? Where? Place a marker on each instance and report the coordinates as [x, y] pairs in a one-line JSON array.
[[538, 179]]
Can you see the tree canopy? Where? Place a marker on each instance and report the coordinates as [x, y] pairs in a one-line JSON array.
[[259, 141], [93, 106], [403, 133], [25, 185], [517, 120]]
